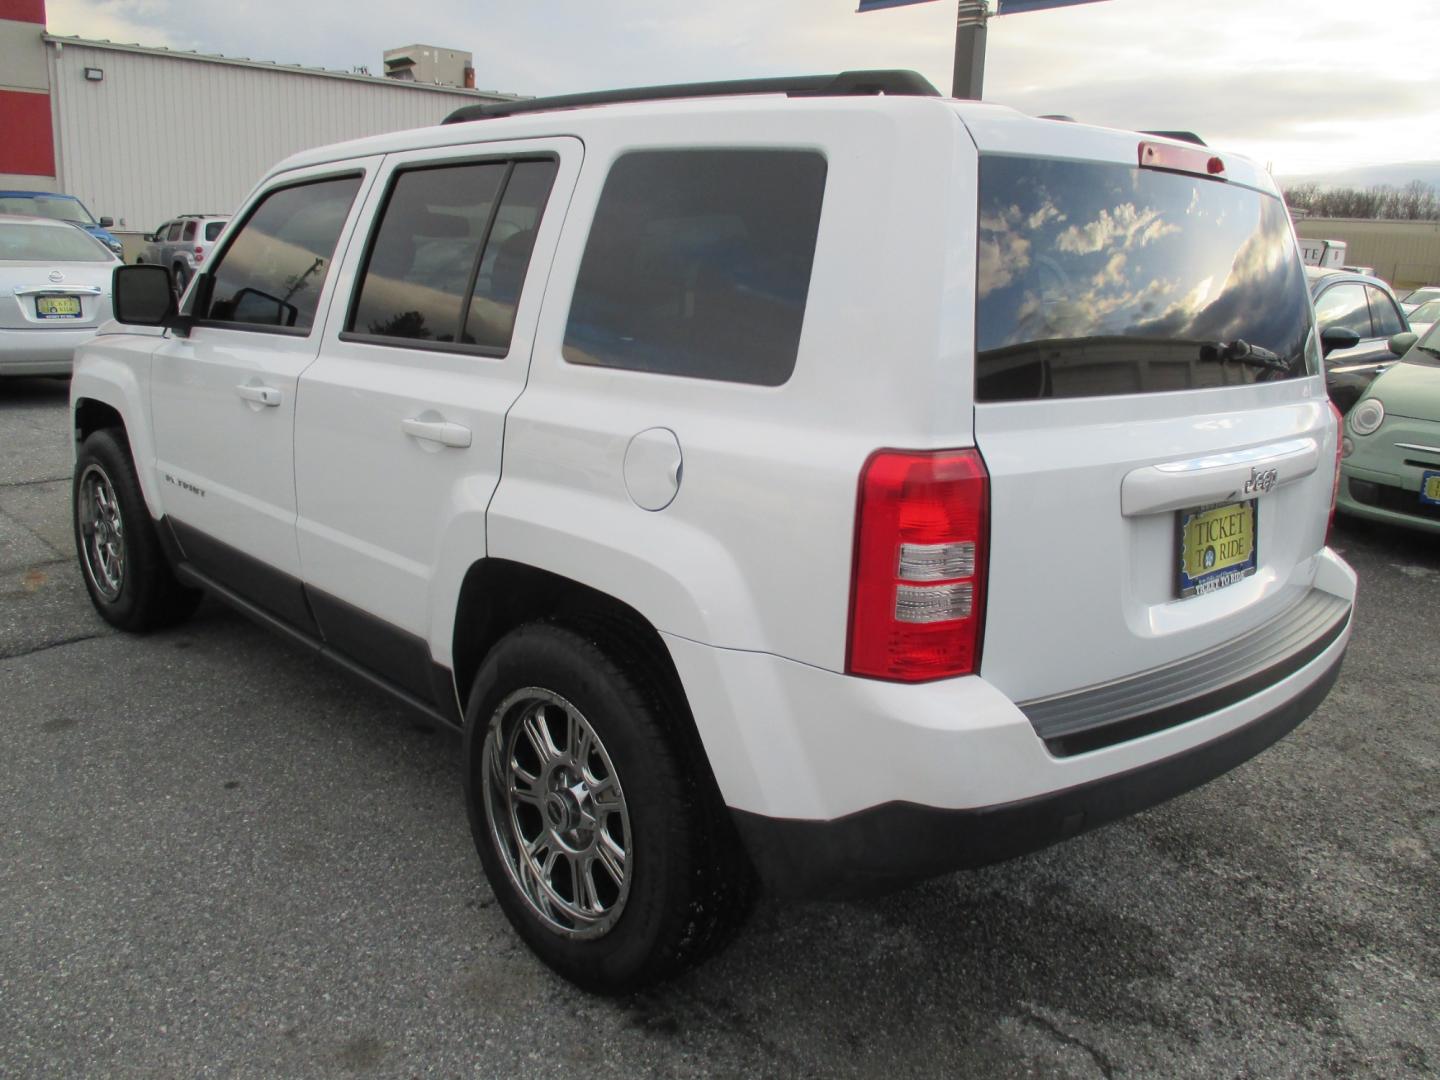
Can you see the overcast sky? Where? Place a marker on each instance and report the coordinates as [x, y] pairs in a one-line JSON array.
[[1306, 85]]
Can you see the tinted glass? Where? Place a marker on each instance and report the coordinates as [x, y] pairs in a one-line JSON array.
[[1384, 315], [173, 233], [274, 269], [420, 264], [44, 206], [49, 243], [1427, 312], [212, 229], [1344, 305], [698, 263], [1108, 279], [189, 233], [507, 255]]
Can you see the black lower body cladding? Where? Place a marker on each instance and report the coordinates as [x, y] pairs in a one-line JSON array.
[[886, 847]]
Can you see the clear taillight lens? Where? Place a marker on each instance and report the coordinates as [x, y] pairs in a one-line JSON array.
[[917, 607]]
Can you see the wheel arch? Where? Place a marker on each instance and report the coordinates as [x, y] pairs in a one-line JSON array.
[[106, 392], [500, 595]]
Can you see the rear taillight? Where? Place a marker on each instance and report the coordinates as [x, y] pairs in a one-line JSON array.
[[199, 254], [1335, 487], [922, 530]]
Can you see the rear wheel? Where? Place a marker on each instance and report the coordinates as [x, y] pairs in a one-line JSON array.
[[125, 572], [609, 855]]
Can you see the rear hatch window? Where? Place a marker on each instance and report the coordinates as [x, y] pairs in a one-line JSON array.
[[1097, 278]]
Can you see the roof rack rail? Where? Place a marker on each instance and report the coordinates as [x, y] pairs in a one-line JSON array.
[[1182, 136], [845, 84]]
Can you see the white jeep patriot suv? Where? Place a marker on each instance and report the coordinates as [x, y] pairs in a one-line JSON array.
[[817, 481]]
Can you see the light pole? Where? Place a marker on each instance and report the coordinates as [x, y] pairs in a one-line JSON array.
[[969, 77]]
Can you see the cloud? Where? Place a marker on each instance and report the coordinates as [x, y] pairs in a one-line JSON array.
[[1004, 252], [1124, 226]]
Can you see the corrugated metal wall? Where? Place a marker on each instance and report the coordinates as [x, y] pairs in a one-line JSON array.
[[163, 134], [1404, 253]]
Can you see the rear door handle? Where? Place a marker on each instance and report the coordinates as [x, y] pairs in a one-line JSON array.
[[264, 395], [437, 431]]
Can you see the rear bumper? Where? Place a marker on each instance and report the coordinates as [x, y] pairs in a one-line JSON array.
[[889, 846], [841, 785], [41, 351]]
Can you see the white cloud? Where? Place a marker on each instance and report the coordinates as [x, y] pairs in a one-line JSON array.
[[1124, 226]]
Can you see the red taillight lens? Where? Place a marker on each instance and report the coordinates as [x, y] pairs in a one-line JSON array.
[[917, 603], [1335, 488], [199, 254]]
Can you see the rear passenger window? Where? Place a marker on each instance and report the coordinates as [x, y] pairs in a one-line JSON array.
[[447, 264], [274, 269], [189, 233], [507, 255], [419, 267], [1383, 313], [698, 264]]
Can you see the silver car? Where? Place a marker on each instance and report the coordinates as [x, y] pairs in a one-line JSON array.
[[54, 292], [183, 244]]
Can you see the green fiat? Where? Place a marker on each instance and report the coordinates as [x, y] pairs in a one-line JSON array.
[[1391, 452]]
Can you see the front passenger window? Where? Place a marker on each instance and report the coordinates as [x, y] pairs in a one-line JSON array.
[[274, 270], [1344, 305]]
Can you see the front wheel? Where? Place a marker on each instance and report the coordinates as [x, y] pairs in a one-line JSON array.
[[125, 572], [608, 853]]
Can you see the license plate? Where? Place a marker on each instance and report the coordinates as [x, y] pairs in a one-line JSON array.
[[1430, 488], [57, 307], [1217, 546]]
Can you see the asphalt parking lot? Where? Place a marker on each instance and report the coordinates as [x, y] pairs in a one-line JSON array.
[[219, 855]]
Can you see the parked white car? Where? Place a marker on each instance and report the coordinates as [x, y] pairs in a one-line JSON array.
[[1423, 317], [837, 487], [54, 292]]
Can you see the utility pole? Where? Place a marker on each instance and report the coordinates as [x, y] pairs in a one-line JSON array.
[[969, 78]]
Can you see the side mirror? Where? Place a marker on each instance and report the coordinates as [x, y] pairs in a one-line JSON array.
[[1338, 337], [107, 222], [1402, 343], [142, 295]]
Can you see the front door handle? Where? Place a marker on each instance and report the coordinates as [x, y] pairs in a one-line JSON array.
[[438, 431], [263, 395]]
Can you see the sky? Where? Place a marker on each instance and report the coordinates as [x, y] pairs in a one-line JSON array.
[[1305, 86]]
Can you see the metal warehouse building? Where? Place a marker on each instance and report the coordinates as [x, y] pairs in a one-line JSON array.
[[1404, 253], [143, 134]]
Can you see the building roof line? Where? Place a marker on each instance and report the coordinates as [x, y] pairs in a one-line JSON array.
[[272, 65]]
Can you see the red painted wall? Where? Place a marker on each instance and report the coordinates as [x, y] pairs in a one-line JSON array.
[[23, 10], [28, 146]]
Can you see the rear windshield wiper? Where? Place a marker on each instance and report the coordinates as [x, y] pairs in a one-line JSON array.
[[1240, 351]]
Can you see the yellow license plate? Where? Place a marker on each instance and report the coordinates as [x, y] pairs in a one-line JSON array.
[[1430, 488], [57, 307], [1217, 547]]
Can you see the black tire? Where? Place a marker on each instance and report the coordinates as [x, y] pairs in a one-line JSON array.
[[144, 594], [689, 885]]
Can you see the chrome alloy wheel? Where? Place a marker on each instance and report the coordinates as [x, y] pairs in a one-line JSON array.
[[102, 533], [557, 813]]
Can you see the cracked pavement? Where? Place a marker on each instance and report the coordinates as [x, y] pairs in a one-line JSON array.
[[219, 855]]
